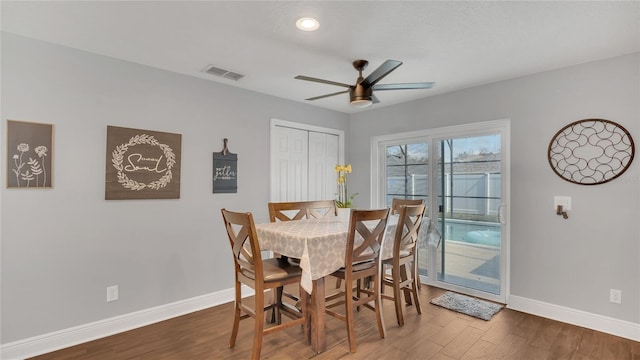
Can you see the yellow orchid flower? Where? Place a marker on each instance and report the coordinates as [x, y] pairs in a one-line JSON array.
[[343, 198]]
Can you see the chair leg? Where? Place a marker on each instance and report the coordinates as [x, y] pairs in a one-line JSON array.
[[383, 277], [397, 297], [350, 315], [358, 292], [403, 278], [415, 284], [378, 305], [414, 266], [259, 324], [278, 305], [273, 310], [275, 316], [236, 316]]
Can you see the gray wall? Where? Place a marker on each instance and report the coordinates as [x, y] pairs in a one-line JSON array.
[[62, 247], [571, 263]]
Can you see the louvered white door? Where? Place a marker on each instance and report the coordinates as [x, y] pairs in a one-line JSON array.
[[302, 161], [323, 156], [289, 164]]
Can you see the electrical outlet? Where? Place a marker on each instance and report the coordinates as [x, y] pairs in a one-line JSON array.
[[615, 296], [112, 293]]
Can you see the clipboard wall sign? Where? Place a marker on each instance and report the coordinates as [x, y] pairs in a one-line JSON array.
[[225, 171]]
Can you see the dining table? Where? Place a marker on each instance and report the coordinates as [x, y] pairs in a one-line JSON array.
[[320, 244]]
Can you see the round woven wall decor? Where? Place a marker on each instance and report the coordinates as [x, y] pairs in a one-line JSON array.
[[591, 151]]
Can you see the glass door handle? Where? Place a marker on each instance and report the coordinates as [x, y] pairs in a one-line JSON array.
[[501, 214]]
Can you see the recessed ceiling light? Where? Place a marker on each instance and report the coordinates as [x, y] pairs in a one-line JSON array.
[[307, 24]]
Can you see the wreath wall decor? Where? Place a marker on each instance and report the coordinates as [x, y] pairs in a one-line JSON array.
[[591, 151], [142, 164]]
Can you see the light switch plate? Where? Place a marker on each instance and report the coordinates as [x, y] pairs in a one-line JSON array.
[[564, 201], [112, 293]]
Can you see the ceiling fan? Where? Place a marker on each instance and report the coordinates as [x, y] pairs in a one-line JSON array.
[[361, 94]]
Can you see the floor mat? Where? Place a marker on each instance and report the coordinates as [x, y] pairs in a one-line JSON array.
[[467, 305]]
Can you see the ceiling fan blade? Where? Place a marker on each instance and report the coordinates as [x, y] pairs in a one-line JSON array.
[[327, 95], [379, 73], [322, 81], [404, 86]]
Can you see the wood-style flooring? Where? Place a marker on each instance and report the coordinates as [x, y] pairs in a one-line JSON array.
[[436, 334]]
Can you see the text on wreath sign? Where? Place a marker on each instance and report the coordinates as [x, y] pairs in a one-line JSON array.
[[137, 162], [224, 173]]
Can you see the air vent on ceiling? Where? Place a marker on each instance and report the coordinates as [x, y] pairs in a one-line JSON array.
[[223, 73]]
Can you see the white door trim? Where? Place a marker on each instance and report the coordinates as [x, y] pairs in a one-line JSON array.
[[378, 178]]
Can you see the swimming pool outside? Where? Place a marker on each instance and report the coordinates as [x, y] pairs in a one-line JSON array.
[[473, 232]]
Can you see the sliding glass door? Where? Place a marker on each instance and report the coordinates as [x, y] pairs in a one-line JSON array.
[[468, 191], [462, 175]]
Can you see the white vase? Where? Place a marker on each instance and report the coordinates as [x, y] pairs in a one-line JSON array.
[[344, 214]]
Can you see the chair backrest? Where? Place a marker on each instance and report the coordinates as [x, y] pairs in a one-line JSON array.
[[243, 239], [409, 224], [367, 229], [396, 203], [297, 210]]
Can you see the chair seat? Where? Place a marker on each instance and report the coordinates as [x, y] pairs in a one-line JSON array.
[[357, 267], [403, 254], [275, 270]]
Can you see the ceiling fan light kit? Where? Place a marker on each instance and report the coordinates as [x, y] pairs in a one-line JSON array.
[[360, 96], [361, 104], [361, 93]]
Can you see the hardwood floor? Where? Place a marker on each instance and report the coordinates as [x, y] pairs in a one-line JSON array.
[[437, 334]]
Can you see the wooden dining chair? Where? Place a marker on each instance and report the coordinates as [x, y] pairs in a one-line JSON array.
[[297, 210], [367, 229], [251, 270], [404, 269], [397, 202]]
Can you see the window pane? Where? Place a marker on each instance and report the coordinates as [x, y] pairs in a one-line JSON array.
[[417, 153], [395, 155], [417, 180], [396, 180], [406, 170]]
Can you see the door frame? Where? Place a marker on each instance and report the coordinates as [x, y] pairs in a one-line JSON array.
[[378, 192]]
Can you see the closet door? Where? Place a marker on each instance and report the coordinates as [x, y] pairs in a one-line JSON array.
[[289, 164], [303, 158], [323, 157]]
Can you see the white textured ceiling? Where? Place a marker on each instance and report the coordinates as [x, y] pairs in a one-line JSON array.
[[453, 43]]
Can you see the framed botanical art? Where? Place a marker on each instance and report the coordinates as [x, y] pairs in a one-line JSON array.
[[29, 155], [142, 164]]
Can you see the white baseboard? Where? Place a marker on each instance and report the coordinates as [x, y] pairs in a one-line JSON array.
[[43, 344], [617, 327], [57, 340]]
